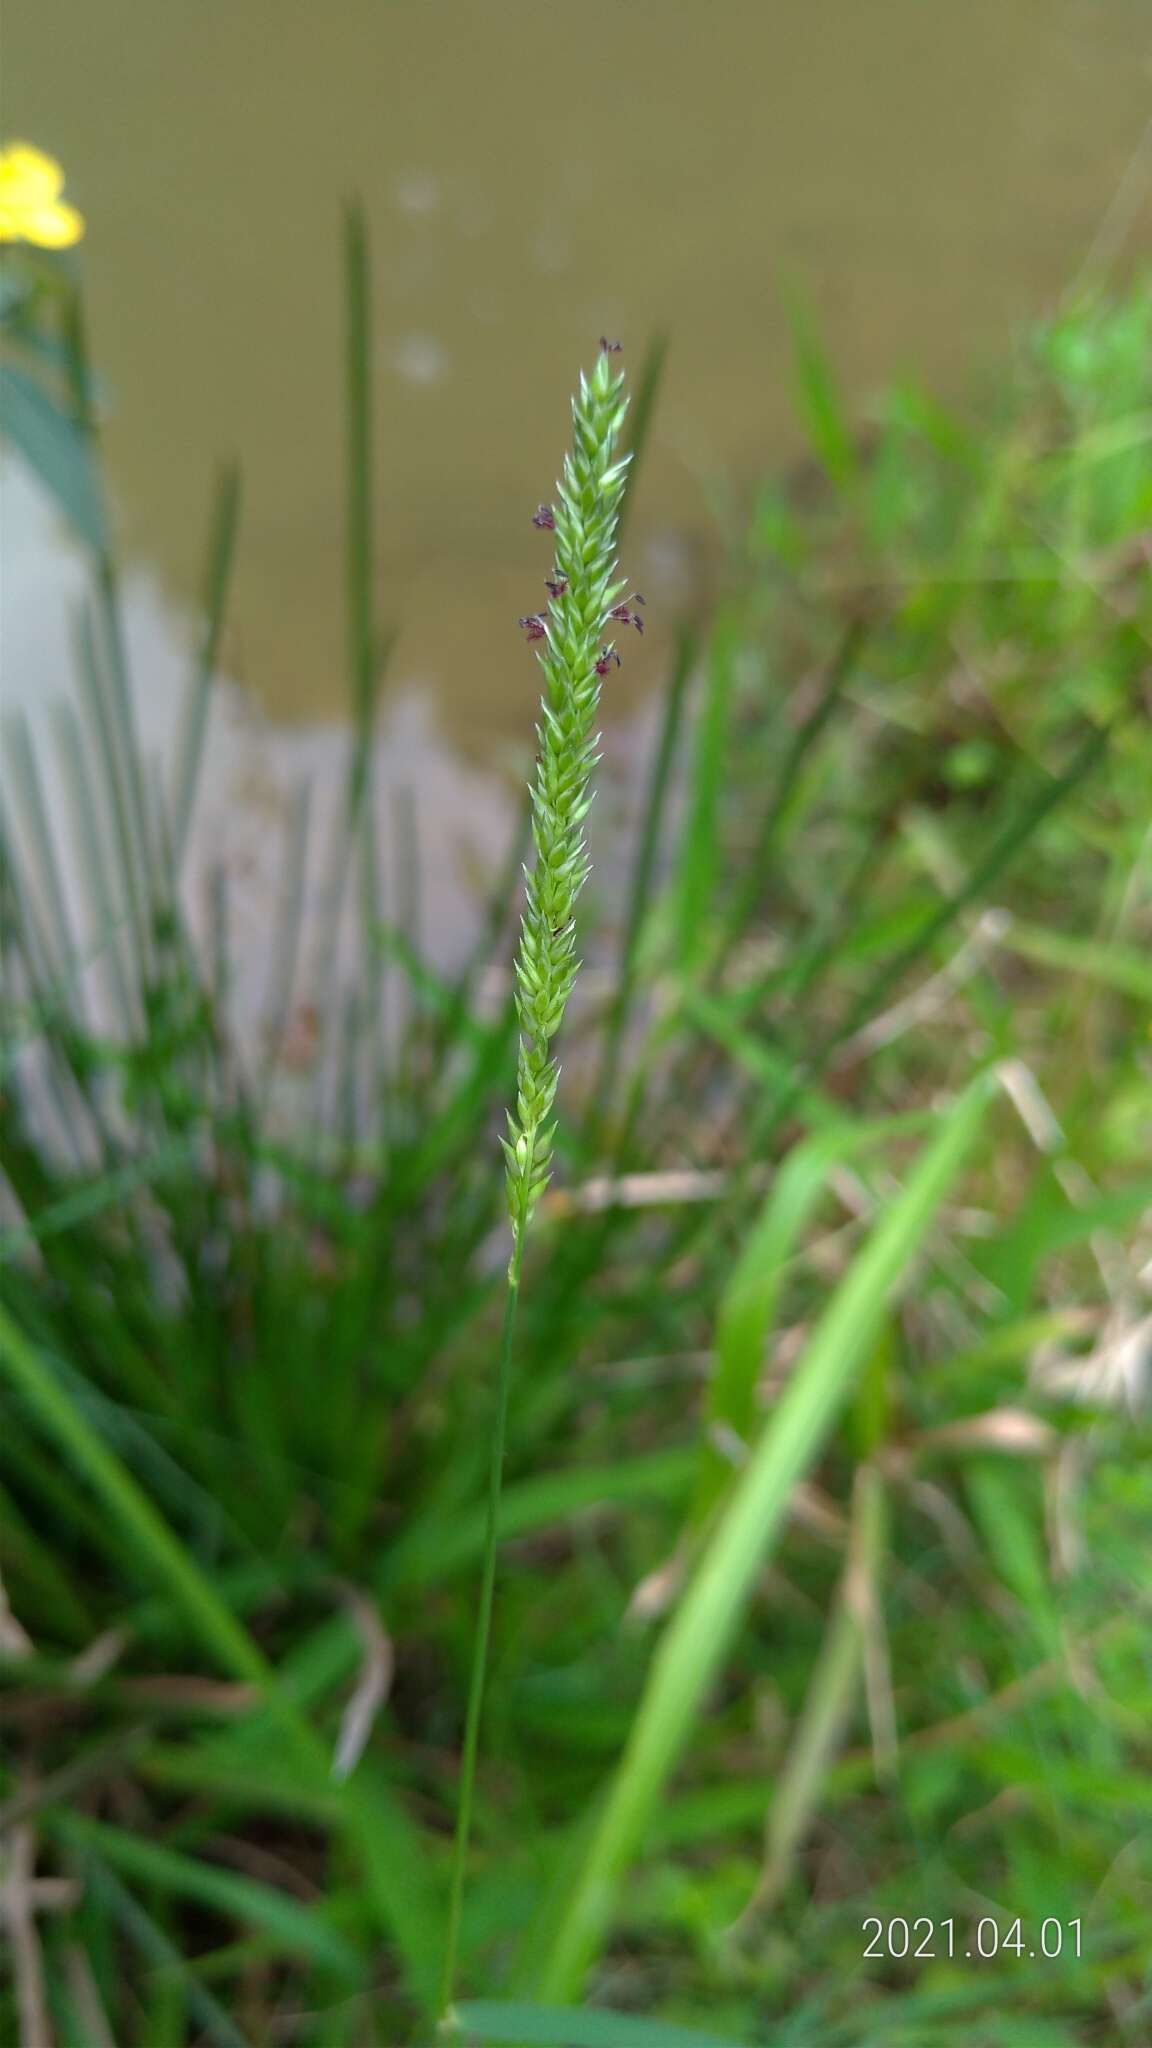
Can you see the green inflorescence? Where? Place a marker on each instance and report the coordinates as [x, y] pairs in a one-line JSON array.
[[574, 660]]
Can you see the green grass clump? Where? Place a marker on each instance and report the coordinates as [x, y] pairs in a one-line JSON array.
[[824, 1527]]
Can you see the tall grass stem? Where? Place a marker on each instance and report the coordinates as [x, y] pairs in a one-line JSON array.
[[483, 1635], [584, 599]]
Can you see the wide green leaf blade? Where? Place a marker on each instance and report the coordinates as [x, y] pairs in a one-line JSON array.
[[556, 2026], [700, 1634]]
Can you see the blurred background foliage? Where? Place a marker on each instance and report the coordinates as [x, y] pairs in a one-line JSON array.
[[894, 835]]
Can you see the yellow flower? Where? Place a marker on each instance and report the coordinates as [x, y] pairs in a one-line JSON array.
[[31, 209]]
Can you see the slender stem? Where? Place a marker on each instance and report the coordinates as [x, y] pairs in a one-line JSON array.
[[584, 598], [483, 1629]]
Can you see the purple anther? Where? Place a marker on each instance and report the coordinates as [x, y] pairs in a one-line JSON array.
[[624, 613]]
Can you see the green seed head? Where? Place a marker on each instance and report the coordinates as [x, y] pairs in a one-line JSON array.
[[574, 659]]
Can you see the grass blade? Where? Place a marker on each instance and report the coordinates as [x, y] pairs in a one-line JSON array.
[[701, 856], [804, 738], [105, 921], [1003, 849], [161, 1554], [375, 1824], [294, 1928], [821, 405], [43, 848], [221, 551], [829, 1698], [748, 1304], [51, 445], [641, 411], [698, 1638], [161, 1953], [1114, 966], [643, 872]]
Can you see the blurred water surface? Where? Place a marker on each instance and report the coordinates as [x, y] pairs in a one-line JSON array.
[[535, 176]]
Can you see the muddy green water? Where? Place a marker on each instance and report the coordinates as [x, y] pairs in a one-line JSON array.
[[933, 174]]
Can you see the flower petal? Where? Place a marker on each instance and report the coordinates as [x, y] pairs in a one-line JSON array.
[[28, 176], [48, 227]]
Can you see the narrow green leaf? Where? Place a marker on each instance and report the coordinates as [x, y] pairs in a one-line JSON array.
[[1118, 967], [752, 883], [830, 1693], [387, 1844], [221, 549], [701, 859], [643, 875], [102, 1192], [821, 406], [295, 1929], [161, 1954], [56, 448], [642, 412], [748, 1304], [162, 1556], [434, 1548]]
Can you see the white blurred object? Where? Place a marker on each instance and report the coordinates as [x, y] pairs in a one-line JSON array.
[[251, 770]]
